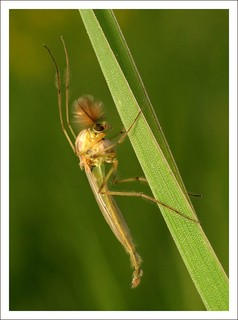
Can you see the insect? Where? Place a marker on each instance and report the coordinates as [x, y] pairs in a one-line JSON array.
[[94, 151]]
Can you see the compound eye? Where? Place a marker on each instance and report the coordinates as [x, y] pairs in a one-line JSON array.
[[99, 127]]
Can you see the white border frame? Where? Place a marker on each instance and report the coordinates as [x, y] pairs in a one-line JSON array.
[[5, 7]]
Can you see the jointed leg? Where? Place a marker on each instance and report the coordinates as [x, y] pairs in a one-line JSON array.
[[124, 135], [112, 170], [145, 196], [58, 84], [120, 140], [67, 88], [142, 179], [139, 179]]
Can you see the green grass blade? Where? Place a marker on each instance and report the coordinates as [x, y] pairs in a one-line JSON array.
[[155, 157], [119, 46]]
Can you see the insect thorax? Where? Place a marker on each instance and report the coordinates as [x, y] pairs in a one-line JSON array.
[[92, 147]]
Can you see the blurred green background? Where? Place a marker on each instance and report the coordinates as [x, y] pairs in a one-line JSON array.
[[63, 256]]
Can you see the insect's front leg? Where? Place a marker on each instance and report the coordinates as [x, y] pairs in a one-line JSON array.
[[123, 136], [59, 95], [125, 133]]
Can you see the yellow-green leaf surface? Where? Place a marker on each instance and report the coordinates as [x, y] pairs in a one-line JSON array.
[[155, 157]]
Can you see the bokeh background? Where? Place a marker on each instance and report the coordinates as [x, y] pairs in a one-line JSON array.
[[63, 256]]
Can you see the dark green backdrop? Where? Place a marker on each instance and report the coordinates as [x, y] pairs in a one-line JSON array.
[[63, 255]]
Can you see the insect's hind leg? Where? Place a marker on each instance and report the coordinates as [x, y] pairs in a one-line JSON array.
[[136, 179], [145, 196], [143, 179]]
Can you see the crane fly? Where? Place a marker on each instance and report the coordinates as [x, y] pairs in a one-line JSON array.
[[94, 150]]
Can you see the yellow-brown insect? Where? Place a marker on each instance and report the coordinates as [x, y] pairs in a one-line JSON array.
[[94, 151]]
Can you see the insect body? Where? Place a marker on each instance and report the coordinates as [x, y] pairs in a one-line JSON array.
[[94, 151]]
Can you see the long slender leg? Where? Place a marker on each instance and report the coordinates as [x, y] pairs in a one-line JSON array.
[[124, 135], [112, 170], [145, 196], [67, 87], [139, 179], [58, 84], [142, 179]]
